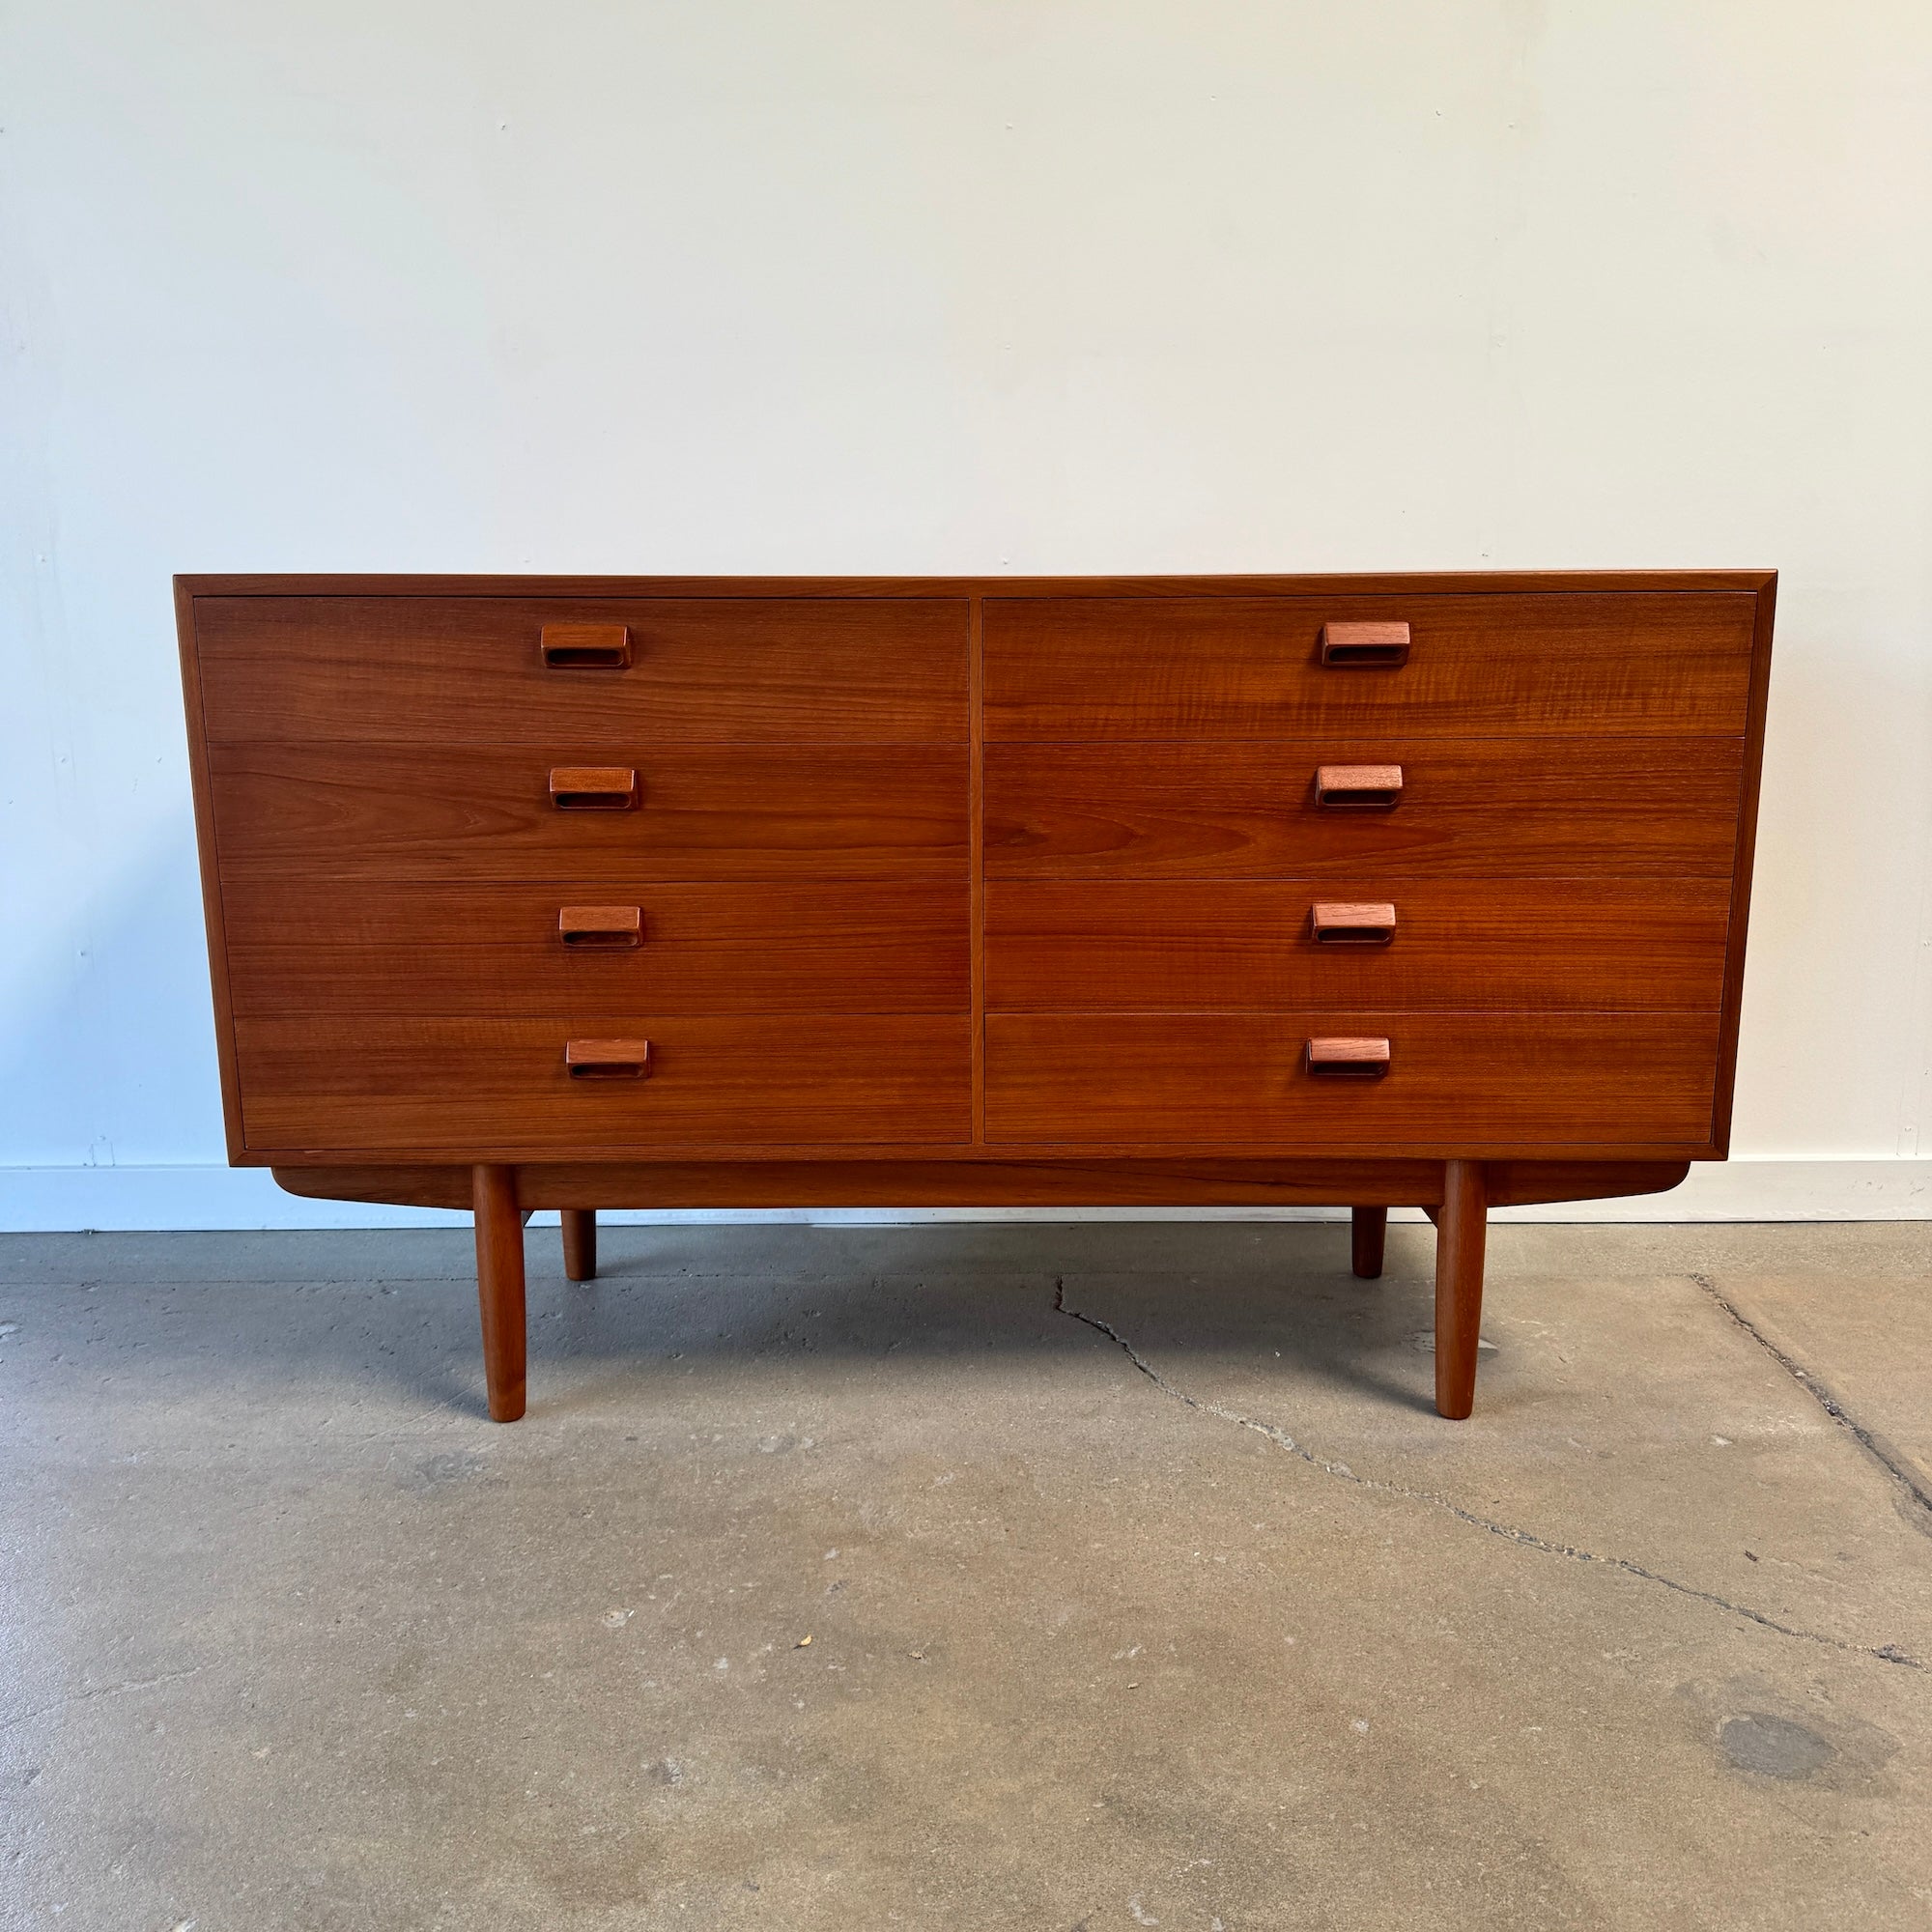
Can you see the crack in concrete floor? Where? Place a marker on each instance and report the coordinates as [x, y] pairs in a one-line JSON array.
[[1873, 1445], [1888, 1653], [86, 1696]]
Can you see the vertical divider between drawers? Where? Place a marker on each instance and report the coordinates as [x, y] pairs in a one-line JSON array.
[[976, 857]]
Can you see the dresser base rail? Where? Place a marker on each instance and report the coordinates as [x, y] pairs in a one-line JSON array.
[[1206, 1182]]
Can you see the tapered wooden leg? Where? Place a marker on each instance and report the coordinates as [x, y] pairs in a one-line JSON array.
[[1368, 1236], [580, 1243], [499, 1286], [1460, 1227]]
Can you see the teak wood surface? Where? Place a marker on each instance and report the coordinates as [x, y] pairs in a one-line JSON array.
[[1485, 1082], [484, 813], [1533, 944], [1471, 807], [409, 671], [433, 950], [976, 892], [1218, 667]]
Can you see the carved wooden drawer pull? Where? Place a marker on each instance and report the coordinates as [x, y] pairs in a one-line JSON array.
[[585, 646], [1349, 1058], [593, 787], [1352, 924], [1364, 647], [609, 926], [608, 1059], [1358, 788]]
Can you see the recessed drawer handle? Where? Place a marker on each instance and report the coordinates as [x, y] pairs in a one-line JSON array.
[[592, 926], [1358, 788], [585, 646], [1352, 924], [1349, 1058], [593, 787], [608, 1059], [1364, 647]]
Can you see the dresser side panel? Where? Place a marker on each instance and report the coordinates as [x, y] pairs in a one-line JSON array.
[[1740, 870], [208, 853]]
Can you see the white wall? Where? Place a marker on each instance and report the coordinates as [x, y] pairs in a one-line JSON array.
[[912, 286]]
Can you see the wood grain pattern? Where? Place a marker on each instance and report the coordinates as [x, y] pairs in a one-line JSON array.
[[429, 948], [1221, 666], [1491, 809], [455, 669], [392, 1086], [483, 813], [1458, 1082], [1460, 944]]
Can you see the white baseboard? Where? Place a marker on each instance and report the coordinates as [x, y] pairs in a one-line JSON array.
[[58, 1200]]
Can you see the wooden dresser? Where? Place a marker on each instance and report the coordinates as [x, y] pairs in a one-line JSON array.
[[580, 893]]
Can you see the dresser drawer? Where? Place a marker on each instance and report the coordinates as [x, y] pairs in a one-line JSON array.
[[473, 669], [431, 949], [1457, 1083], [388, 1085], [1208, 667], [1456, 943], [1469, 807], [487, 813]]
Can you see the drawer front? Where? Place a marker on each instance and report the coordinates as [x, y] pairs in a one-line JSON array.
[[382, 1085], [1473, 808], [487, 813], [1456, 1082], [1650, 662], [434, 949], [1458, 945], [472, 670]]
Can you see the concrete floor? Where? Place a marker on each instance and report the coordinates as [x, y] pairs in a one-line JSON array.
[[1159, 1597]]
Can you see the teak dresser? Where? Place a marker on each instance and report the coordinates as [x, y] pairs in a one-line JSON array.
[[580, 893]]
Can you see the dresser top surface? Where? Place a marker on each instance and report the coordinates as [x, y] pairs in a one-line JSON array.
[[1475, 582]]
